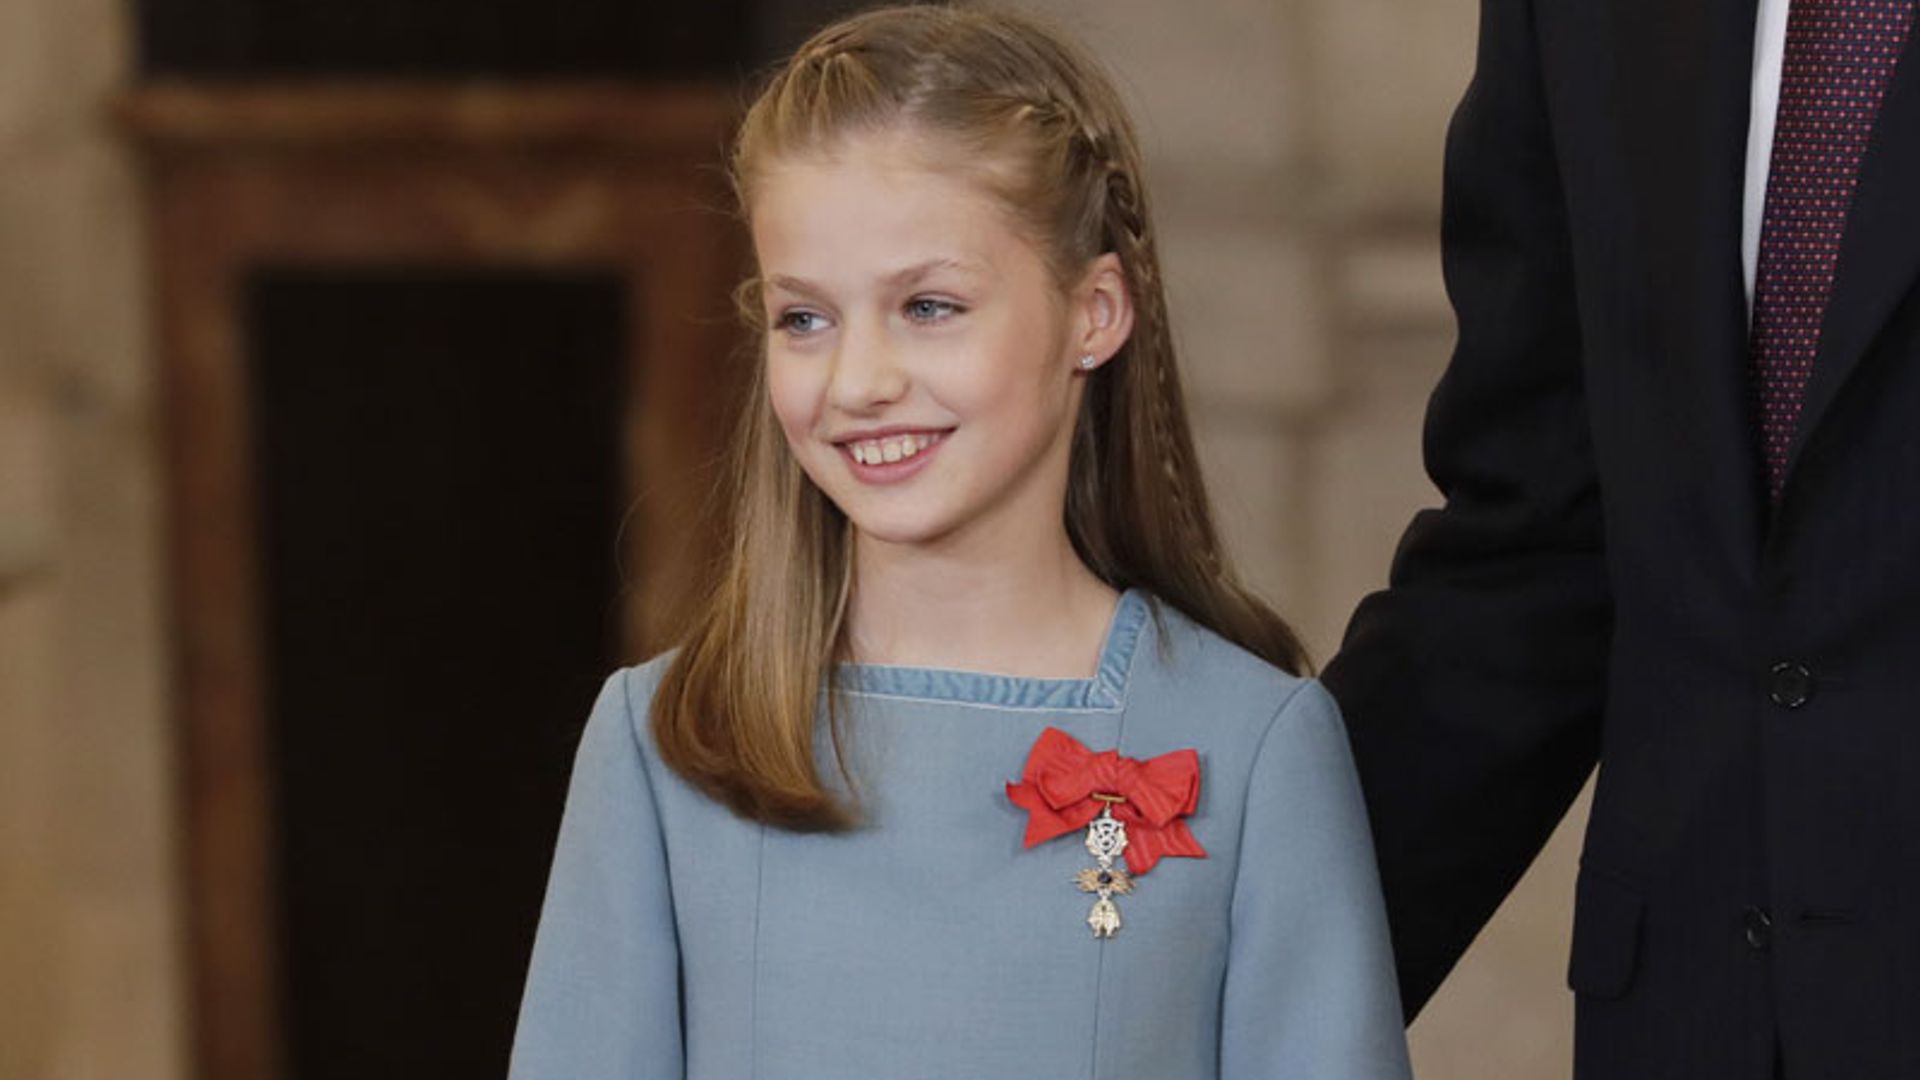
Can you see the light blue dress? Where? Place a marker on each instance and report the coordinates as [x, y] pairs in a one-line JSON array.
[[678, 940]]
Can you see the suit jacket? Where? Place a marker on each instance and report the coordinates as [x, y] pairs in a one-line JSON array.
[[1607, 581]]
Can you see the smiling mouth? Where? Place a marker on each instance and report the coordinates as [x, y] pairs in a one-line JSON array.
[[891, 448]]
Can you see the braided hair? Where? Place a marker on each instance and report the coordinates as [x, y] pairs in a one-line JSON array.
[[1039, 124]]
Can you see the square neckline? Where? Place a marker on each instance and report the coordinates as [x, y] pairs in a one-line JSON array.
[[1105, 691]]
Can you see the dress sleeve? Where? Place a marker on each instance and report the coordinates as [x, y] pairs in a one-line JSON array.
[[1310, 990], [603, 992]]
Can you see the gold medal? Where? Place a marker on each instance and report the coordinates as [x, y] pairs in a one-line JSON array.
[[1063, 779], [1106, 839]]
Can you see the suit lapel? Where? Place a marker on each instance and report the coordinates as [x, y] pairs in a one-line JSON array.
[[1684, 80], [1879, 251]]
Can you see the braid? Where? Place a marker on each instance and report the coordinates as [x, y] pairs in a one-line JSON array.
[[1139, 409], [1126, 231]]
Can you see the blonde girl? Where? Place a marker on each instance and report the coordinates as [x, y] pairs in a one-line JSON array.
[[978, 762]]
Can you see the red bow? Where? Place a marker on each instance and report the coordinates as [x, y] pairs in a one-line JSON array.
[[1062, 786]]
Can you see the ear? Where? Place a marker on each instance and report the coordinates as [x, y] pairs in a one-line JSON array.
[[1102, 310]]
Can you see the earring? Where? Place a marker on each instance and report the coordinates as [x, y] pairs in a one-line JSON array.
[[1086, 362]]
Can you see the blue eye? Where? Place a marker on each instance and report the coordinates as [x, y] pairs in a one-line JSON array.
[[799, 322], [926, 309]]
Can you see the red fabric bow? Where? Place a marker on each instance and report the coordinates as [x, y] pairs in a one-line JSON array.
[[1062, 777]]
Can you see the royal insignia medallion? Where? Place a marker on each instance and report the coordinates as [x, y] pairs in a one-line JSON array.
[[1131, 809], [1106, 841]]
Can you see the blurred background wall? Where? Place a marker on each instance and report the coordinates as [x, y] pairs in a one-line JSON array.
[[1294, 150], [90, 974]]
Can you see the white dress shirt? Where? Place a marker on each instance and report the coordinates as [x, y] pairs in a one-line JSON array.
[[1769, 46]]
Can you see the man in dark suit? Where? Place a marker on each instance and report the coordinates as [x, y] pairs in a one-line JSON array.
[[1679, 444]]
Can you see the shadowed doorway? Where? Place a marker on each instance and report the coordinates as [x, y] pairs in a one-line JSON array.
[[438, 486]]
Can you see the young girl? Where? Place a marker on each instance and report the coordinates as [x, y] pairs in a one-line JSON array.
[[978, 763]]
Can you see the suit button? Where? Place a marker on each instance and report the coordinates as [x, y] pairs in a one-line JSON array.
[[1790, 685], [1759, 927]]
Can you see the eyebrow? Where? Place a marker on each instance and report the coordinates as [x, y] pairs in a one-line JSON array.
[[911, 274], [901, 278]]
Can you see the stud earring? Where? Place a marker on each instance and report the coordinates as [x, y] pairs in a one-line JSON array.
[[1086, 362]]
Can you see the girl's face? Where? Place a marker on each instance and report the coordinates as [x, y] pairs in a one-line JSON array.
[[921, 357]]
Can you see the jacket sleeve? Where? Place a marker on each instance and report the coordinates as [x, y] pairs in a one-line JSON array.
[[602, 999], [1473, 685], [1310, 988]]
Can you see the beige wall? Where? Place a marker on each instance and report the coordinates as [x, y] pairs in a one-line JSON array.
[[88, 971], [1294, 148]]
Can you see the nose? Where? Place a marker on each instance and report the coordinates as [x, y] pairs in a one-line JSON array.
[[866, 373]]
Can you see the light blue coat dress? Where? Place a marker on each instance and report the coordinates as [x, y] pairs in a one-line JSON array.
[[678, 940]]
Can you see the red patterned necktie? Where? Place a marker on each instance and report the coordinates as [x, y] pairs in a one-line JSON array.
[[1840, 55]]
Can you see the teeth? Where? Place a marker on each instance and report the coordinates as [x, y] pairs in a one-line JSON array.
[[891, 449]]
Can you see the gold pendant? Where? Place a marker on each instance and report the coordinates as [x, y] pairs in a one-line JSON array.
[[1104, 918], [1091, 881], [1106, 840]]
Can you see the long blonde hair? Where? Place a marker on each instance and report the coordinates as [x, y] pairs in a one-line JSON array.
[[736, 711]]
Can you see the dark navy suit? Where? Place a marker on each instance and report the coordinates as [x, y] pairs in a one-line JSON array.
[[1608, 582]]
